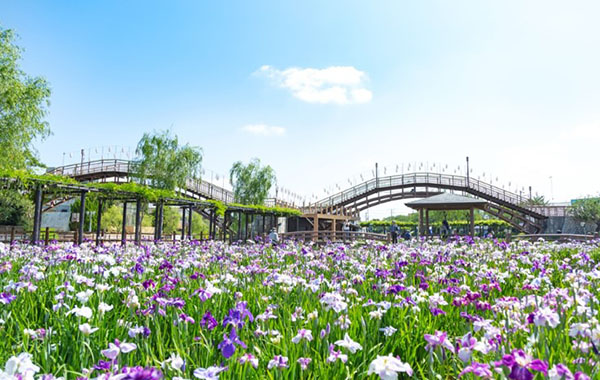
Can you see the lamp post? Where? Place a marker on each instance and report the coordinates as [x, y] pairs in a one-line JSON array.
[[467, 171]]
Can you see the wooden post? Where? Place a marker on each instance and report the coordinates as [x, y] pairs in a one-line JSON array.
[[138, 221], [427, 222], [47, 236], [190, 218], [420, 223], [124, 224], [246, 226], [183, 211], [37, 216], [160, 221], [239, 231], [81, 217], [98, 222], [12, 234], [210, 223]]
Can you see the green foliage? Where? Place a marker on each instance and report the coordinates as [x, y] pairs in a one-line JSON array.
[[252, 182], [282, 211], [23, 107], [163, 164], [587, 210], [171, 220], [455, 223], [112, 219], [538, 200], [15, 209]]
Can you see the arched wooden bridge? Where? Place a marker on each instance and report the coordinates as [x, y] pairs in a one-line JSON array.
[[503, 204]]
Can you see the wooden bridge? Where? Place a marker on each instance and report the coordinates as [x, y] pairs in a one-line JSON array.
[[503, 204]]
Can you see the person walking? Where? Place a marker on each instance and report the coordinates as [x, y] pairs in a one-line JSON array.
[[273, 237], [394, 232]]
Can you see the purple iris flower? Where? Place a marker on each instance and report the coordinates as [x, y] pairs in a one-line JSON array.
[[238, 315], [6, 298], [521, 365], [227, 346], [478, 369], [208, 321]]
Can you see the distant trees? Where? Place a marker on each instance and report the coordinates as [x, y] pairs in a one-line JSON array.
[[23, 107], [163, 163], [251, 182], [587, 210], [538, 200], [15, 209]]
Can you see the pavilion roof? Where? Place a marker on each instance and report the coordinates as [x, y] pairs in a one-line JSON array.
[[447, 201]]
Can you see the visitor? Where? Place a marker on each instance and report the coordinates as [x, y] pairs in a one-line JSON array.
[[394, 232], [406, 235], [274, 237], [346, 229], [445, 228]]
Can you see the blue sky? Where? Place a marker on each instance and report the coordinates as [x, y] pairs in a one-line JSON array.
[[323, 90]]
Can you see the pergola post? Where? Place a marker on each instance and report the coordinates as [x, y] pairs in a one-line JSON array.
[[156, 216], [427, 222], [98, 222], [420, 222], [37, 216], [160, 221], [246, 226], [124, 225], [81, 217], [138, 221], [239, 232], [316, 227], [472, 221], [190, 222], [183, 211], [210, 223]]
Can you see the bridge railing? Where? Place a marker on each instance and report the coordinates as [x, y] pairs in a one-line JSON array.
[[93, 167], [337, 236], [422, 180], [125, 168]]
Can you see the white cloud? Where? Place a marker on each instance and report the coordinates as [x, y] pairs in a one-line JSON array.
[[263, 130], [335, 84]]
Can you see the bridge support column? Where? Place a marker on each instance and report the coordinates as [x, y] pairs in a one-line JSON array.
[[37, 216], [420, 222], [472, 221], [427, 223], [124, 224], [98, 222], [81, 217]]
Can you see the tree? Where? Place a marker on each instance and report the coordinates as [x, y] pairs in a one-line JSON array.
[[23, 107], [251, 183], [538, 200], [587, 210], [15, 209], [164, 164]]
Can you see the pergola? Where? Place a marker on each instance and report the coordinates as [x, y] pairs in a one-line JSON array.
[[445, 202]]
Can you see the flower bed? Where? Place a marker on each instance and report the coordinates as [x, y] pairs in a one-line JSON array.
[[471, 309]]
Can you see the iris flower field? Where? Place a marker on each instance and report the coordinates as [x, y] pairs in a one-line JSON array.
[[471, 309]]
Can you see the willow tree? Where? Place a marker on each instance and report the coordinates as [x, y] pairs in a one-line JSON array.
[[164, 164], [251, 182], [23, 108]]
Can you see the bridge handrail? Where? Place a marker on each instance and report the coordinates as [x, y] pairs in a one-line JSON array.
[[125, 166], [422, 179]]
